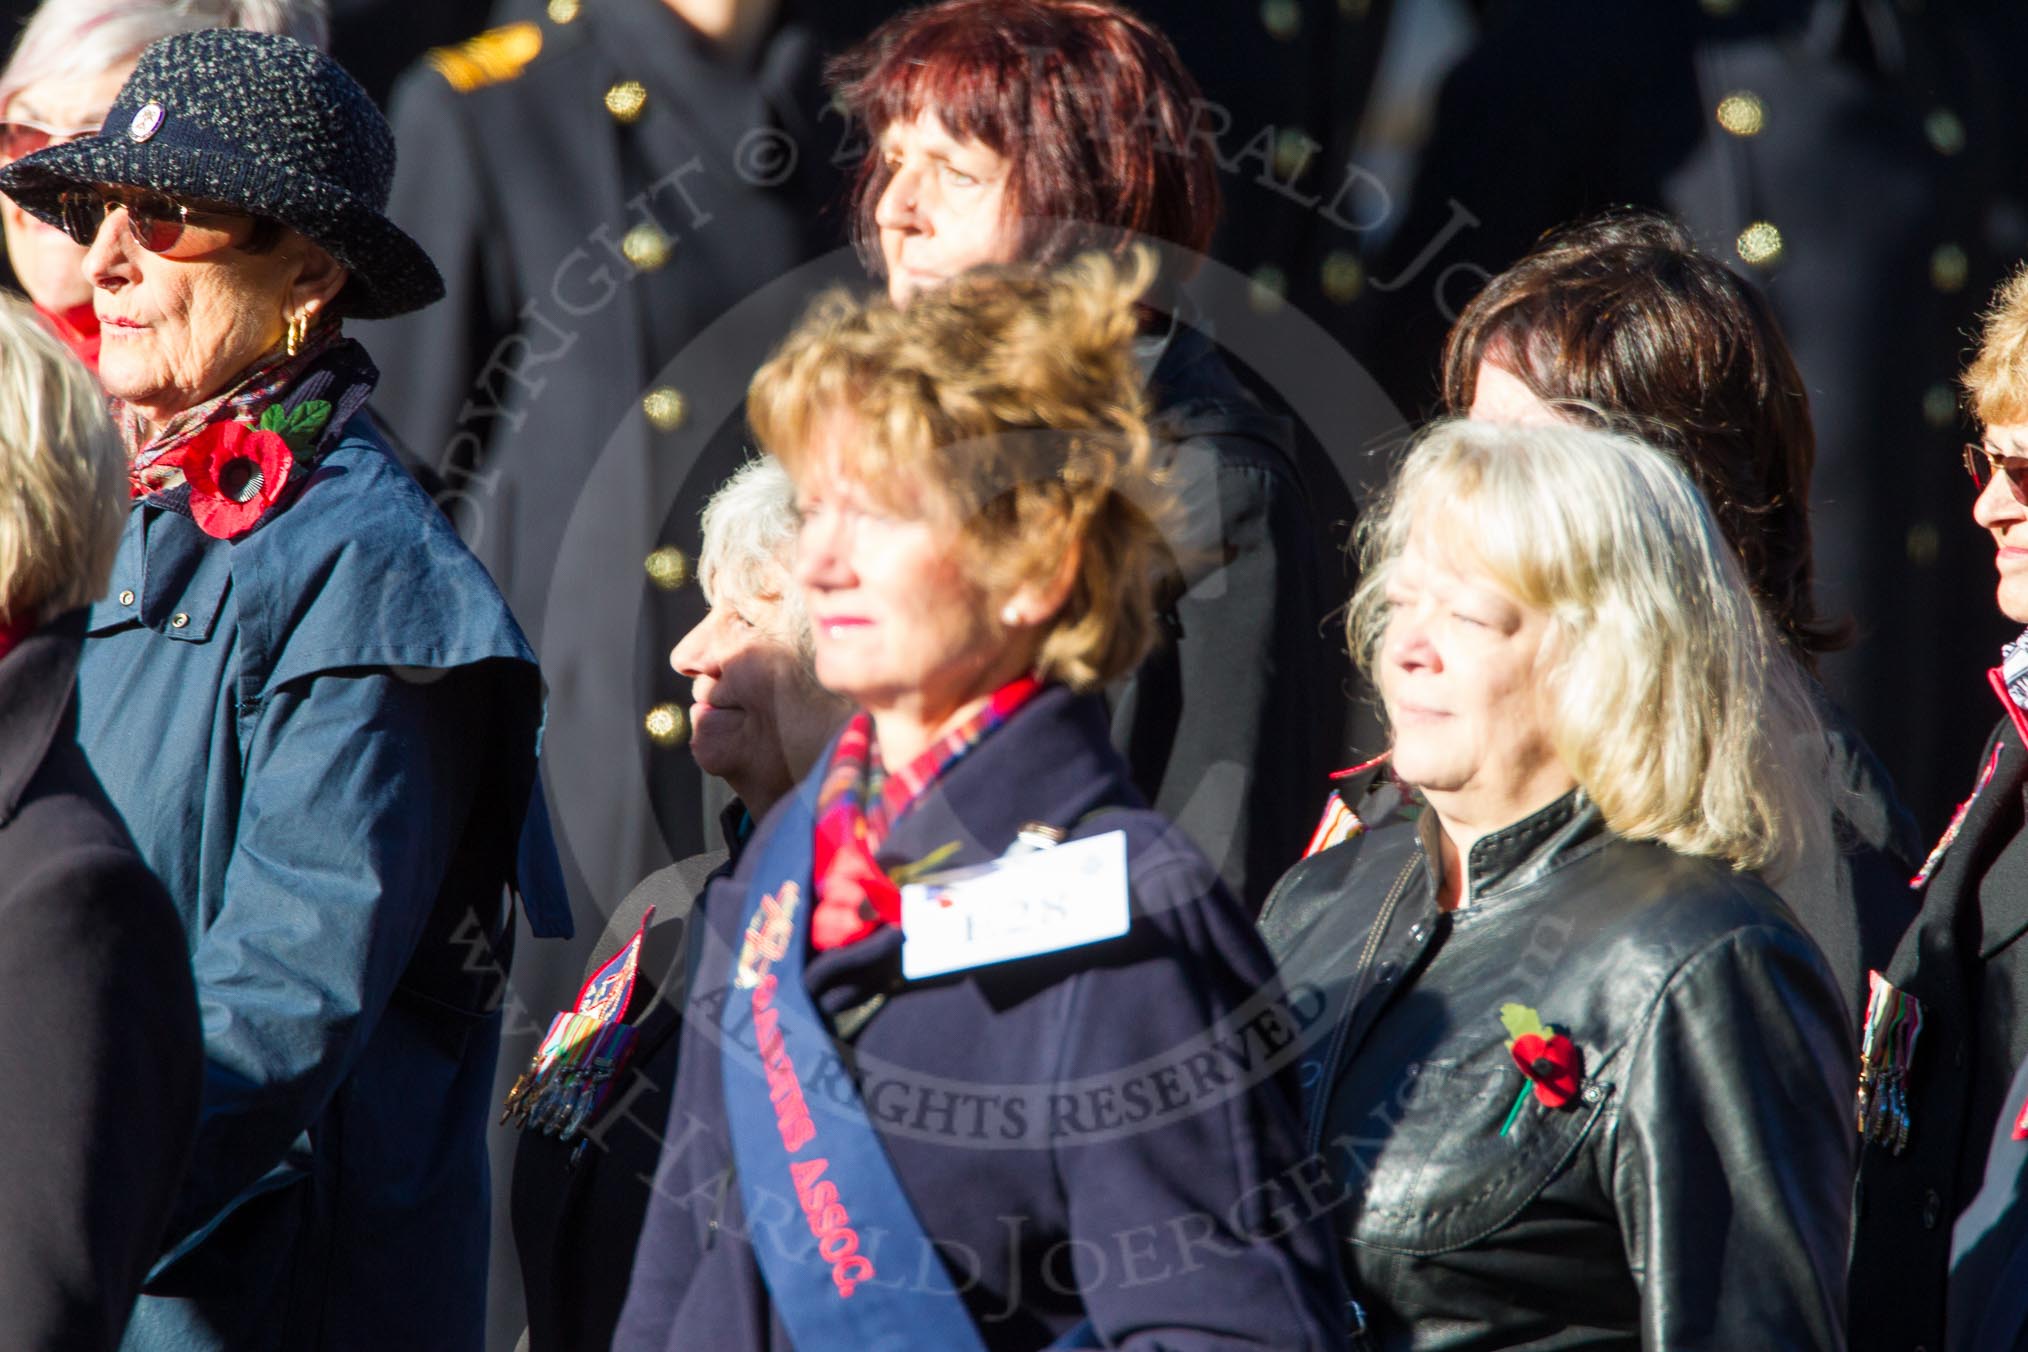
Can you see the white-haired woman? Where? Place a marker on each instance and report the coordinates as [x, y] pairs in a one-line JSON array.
[[98, 1017], [1576, 1078], [759, 721], [71, 59]]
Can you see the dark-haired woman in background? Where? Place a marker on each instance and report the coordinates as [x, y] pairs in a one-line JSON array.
[[1030, 130], [1622, 322]]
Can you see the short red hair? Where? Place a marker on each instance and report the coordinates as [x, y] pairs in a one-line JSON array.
[[1088, 101]]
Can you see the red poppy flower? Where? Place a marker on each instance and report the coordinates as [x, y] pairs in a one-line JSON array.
[[1552, 1064], [235, 473]]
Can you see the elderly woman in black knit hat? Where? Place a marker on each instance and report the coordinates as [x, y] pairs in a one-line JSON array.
[[308, 701]]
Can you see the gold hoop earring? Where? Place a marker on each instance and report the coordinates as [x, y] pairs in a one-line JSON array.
[[299, 329]]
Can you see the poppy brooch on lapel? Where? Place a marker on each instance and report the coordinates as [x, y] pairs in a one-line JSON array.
[[1551, 1065], [237, 471]]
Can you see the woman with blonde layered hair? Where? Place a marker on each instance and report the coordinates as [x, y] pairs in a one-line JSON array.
[[979, 531], [1646, 609], [1626, 1116], [62, 478]]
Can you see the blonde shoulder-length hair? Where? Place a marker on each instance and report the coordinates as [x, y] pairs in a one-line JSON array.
[[1006, 403], [63, 481], [1673, 704]]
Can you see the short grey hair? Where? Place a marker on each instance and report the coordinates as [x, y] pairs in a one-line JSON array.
[[63, 475], [750, 527], [78, 39]]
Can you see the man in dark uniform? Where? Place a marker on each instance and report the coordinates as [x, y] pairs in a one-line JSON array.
[[1846, 155], [620, 199]]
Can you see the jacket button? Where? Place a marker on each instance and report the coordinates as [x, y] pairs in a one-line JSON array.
[[1932, 1208], [665, 725], [1591, 1093], [646, 247], [1742, 113], [664, 406], [625, 101], [179, 621], [126, 598], [667, 568], [1760, 245]]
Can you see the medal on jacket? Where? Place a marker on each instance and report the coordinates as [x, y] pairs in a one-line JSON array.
[[583, 1052], [1893, 1022]]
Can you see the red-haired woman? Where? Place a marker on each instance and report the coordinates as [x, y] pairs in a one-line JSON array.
[[1007, 131]]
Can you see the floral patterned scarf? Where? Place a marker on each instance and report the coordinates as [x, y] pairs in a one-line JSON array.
[[858, 804], [154, 459]]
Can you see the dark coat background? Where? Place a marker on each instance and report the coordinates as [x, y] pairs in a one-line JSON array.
[[1965, 960], [1010, 1187], [100, 1045], [1989, 1245], [1231, 724]]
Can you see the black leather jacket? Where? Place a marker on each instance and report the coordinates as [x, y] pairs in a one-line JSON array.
[[1692, 1194]]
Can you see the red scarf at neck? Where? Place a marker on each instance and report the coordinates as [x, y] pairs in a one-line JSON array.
[[12, 634]]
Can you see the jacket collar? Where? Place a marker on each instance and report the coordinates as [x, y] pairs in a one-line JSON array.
[[1517, 855], [1056, 748], [37, 680]]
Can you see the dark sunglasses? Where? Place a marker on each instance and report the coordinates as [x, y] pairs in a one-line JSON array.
[[20, 138], [1984, 465], [158, 223]]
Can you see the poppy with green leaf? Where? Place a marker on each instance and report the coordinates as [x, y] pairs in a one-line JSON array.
[[1550, 1062]]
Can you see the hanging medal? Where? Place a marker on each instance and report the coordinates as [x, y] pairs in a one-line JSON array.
[[583, 1052], [1886, 1053]]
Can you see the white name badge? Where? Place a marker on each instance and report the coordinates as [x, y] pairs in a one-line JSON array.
[[1061, 897]]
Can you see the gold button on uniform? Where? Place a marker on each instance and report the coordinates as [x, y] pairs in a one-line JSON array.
[[1760, 244], [1946, 131], [646, 247], [1283, 18], [179, 621], [1948, 268], [1742, 113], [1940, 405], [665, 408], [667, 568], [126, 598], [1270, 288], [626, 100], [562, 11], [1344, 276], [665, 725]]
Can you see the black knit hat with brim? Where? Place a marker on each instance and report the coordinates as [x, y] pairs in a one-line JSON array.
[[262, 123]]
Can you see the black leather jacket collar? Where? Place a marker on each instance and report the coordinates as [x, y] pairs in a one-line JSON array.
[[1694, 1192]]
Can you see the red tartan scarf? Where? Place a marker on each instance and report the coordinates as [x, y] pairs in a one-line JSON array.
[[154, 462], [858, 804]]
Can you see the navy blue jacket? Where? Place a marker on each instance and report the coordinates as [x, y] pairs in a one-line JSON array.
[[1108, 1131], [323, 738], [1987, 1301]]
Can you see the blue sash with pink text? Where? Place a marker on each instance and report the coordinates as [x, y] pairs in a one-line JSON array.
[[823, 1154]]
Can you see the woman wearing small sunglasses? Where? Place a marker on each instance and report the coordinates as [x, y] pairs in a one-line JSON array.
[[1948, 1023], [306, 698], [70, 61]]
